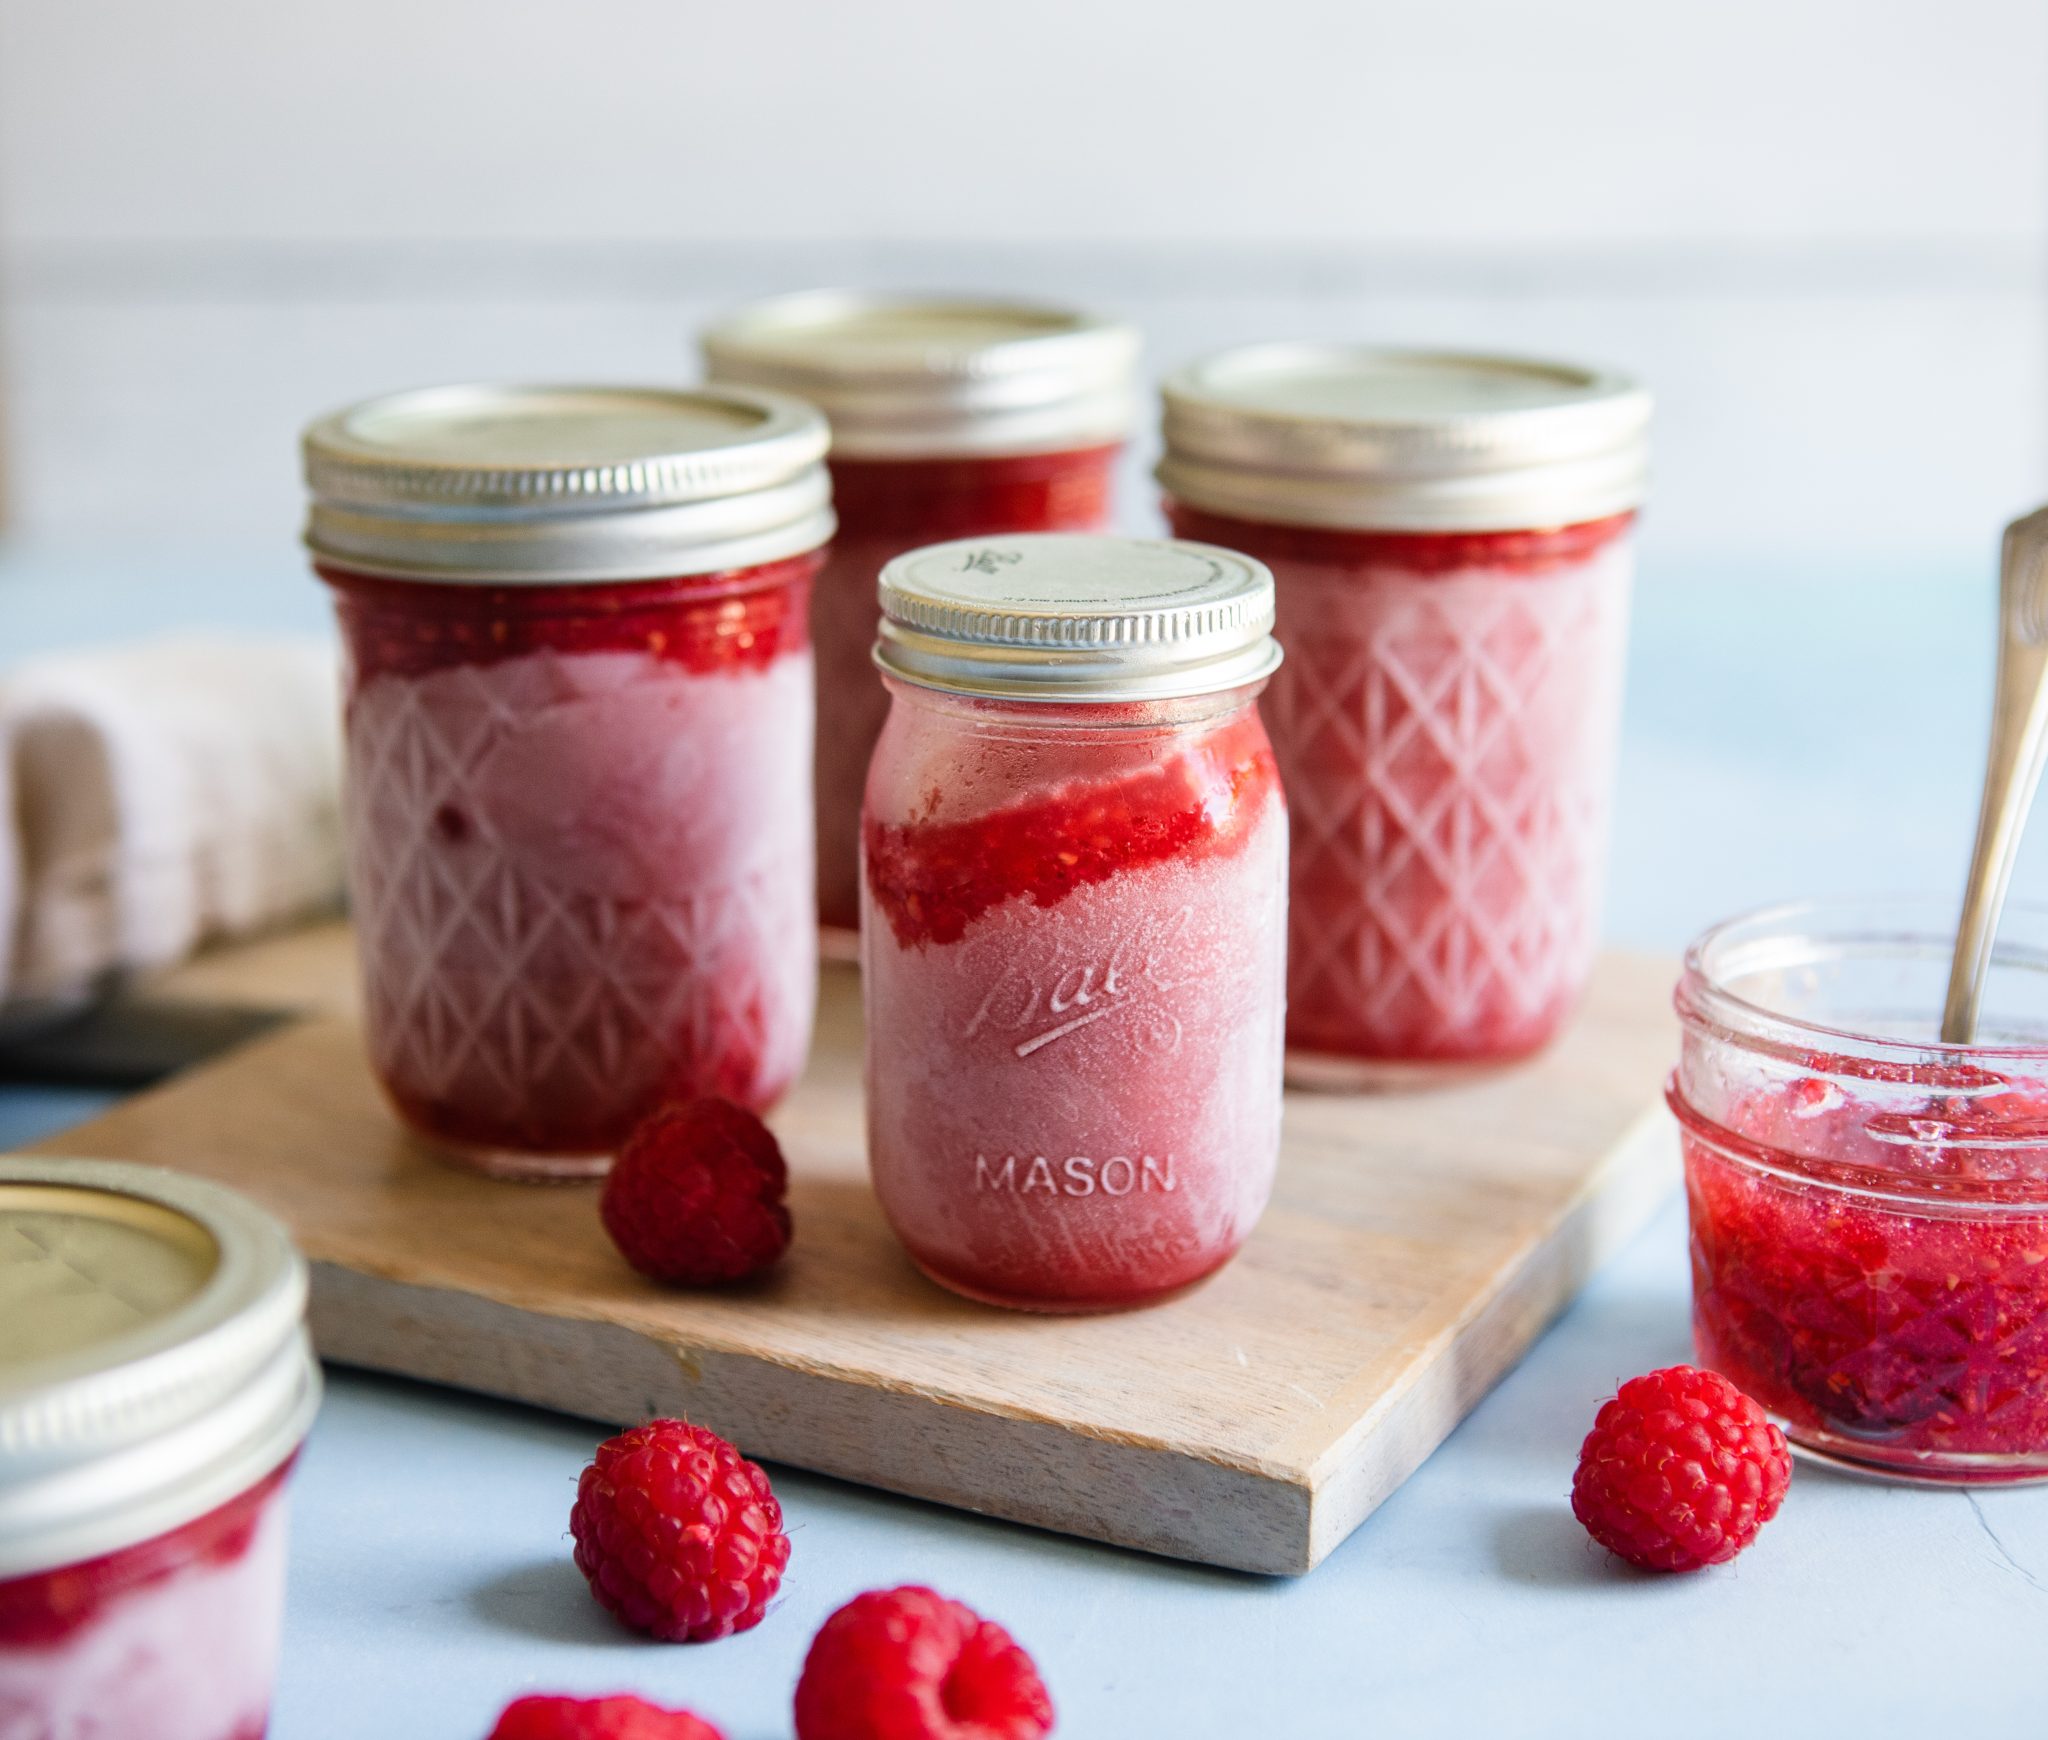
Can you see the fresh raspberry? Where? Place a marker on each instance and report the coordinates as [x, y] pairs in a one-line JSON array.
[[696, 1195], [620, 1718], [1680, 1470], [906, 1664], [678, 1533]]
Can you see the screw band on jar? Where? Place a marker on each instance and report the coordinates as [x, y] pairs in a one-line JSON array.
[[579, 737], [951, 417], [1451, 540]]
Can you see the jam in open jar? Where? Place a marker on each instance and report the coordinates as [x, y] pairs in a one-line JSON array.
[[155, 1385], [578, 752], [1451, 540], [950, 418], [1073, 928], [1869, 1206]]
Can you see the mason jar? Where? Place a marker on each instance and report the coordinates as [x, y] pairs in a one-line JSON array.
[[1073, 920], [578, 752], [1451, 537], [951, 418], [1868, 1205], [155, 1387]]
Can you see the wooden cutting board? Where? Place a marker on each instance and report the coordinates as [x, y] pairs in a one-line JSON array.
[[1416, 1246]]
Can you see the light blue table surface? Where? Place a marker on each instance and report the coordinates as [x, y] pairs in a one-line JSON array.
[[1788, 733]]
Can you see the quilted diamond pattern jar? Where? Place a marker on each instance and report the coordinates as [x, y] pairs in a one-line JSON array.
[[1451, 538], [579, 752]]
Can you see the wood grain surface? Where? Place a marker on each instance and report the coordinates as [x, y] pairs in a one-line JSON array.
[[1416, 1246]]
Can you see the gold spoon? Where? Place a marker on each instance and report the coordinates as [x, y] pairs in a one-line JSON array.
[[2019, 745]]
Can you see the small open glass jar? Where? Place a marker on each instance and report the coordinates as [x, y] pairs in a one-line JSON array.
[[1451, 538], [155, 1386], [1075, 863], [578, 752], [1869, 1207], [951, 417]]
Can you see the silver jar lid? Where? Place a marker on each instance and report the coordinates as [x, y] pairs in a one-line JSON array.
[[154, 1363], [932, 376], [1054, 616], [536, 485], [1395, 440]]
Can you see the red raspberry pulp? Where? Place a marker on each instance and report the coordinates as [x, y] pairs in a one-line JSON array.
[[1888, 1329], [908, 1664], [933, 880]]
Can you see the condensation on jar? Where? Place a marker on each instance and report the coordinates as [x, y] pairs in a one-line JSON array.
[[1452, 541], [155, 1386], [950, 418], [578, 752], [1075, 862]]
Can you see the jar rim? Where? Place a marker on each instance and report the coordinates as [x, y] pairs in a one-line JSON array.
[[1772, 935]]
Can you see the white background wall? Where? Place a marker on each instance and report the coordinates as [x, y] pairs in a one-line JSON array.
[[1818, 227]]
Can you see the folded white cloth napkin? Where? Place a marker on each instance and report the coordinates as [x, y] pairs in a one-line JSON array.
[[157, 796]]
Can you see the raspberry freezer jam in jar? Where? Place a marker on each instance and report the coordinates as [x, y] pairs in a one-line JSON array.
[[155, 1386], [951, 418], [1072, 937], [578, 752], [1869, 1207], [1451, 538]]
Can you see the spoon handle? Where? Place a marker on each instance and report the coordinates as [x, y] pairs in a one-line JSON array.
[[2019, 737]]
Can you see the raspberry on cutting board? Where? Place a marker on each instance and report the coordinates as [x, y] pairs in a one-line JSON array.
[[678, 1534], [623, 1717], [696, 1196], [907, 1664], [1680, 1470]]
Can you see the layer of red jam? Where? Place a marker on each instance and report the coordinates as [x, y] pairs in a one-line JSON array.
[[1877, 1275], [1542, 550], [46, 1607], [885, 507], [738, 620], [933, 879]]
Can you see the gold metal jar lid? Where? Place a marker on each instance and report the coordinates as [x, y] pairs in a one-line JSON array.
[[1056, 616], [901, 376], [154, 1361], [555, 485], [1397, 440]]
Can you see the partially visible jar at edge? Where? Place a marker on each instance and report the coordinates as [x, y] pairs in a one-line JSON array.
[[1869, 1206], [155, 1386], [1451, 537], [950, 419], [1075, 887], [578, 752]]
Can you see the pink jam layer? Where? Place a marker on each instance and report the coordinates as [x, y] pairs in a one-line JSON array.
[[175, 1639], [1074, 1087], [1911, 1331], [885, 507], [1445, 724]]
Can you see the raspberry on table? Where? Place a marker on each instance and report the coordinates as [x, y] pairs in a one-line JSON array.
[[907, 1664], [678, 1534], [1680, 1470], [618, 1718], [696, 1196]]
